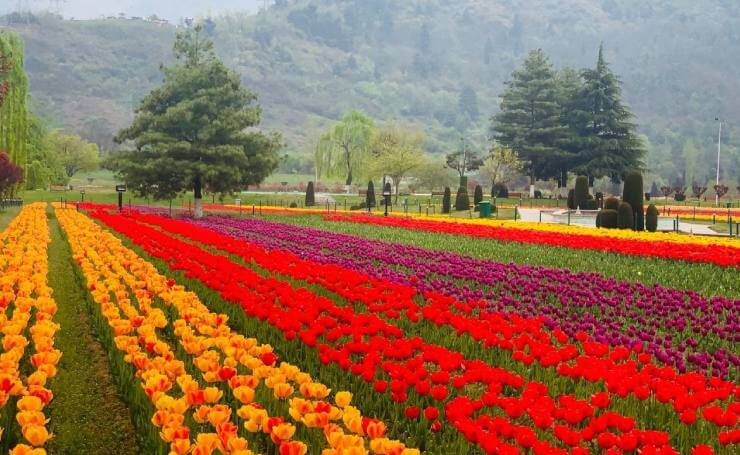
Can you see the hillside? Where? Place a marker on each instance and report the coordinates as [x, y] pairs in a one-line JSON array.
[[312, 60]]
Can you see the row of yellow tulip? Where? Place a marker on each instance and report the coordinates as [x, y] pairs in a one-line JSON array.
[[24, 288], [582, 230], [236, 364]]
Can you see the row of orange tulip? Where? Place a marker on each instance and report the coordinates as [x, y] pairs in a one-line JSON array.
[[237, 365], [24, 288]]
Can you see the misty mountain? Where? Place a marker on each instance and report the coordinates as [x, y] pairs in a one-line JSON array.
[[168, 9], [438, 64]]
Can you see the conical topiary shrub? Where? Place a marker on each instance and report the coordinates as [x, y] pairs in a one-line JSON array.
[[581, 192], [447, 200], [611, 203], [571, 199], [651, 219], [633, 195], [607, 219], [625, 216], [310, 195], [370, 196], [462, 201], [477, 196]]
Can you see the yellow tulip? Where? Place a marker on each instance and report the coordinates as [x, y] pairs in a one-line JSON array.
[[342, 399]]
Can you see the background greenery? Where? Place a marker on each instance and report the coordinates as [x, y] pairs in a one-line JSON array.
[[436, 63]]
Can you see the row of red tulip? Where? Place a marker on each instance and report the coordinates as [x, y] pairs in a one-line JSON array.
[[379, 352]]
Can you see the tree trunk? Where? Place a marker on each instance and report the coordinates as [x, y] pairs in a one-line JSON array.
[[531, 185], [198, 198], [349, 178]]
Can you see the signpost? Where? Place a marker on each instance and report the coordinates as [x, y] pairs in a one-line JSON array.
[[120, 189]]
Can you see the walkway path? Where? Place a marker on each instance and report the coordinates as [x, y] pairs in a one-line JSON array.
[[689, 228], [87, 415]]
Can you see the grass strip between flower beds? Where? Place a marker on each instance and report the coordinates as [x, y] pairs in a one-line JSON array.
[[87, 414]]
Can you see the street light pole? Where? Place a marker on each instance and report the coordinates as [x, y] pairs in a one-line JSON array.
[[719, 152]]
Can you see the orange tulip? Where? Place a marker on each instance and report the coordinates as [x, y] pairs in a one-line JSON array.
[[293, 448], [36, 435]]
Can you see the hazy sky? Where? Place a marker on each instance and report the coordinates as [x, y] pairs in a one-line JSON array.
[[170, 9]]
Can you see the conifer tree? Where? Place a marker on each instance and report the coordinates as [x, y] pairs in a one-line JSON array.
[[530, 119], [606, 138]]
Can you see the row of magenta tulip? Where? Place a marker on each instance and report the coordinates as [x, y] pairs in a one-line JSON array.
[[24, 290], [722, 252], [382, 354], [148, 310], [572, 302]]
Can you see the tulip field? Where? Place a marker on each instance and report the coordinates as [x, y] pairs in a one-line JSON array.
[[299, 332]]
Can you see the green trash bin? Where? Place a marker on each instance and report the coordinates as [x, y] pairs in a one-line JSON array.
[[485, 209]]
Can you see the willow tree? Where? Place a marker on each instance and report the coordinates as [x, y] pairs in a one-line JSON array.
[[13, 97], [344, 149], [195, 131]]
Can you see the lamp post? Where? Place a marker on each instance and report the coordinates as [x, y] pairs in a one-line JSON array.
[[387, 196], [82, 195], [120, 189], [719, 152]]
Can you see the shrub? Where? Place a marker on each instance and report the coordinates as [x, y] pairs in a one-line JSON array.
[[591, 204], [647, 196], [581, 192], [310, 195], [651, 219], [477, 196], [462, 201], [370, 196], [625, 216], [611, 203], [632, 195], [293, 205], [607, 219], [537, 194], [446, 200], [499, 190], [571, 199]]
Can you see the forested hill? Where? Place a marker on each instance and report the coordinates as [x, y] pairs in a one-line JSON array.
[[439, 63]]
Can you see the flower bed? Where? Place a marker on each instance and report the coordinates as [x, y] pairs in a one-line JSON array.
[[722, 252], [27, 311], [395, 361], [178, 348]]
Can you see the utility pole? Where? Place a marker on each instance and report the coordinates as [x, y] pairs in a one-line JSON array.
[[719, 152]]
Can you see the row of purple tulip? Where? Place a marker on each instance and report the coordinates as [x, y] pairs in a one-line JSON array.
[[680, 327]]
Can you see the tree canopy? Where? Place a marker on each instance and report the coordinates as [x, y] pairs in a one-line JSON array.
[[193, 131], [396, 150], [14, 113], [529, 121], [344, 149], [72, 153]]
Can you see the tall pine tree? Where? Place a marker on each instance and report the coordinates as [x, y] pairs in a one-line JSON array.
[[605, 139], [195, 131], [530, 119]]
